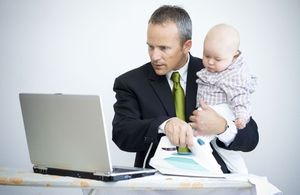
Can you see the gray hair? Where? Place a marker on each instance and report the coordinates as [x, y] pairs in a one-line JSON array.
[[176, 14]]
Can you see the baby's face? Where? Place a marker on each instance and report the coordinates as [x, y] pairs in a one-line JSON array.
[[220, 47], [217, 58]]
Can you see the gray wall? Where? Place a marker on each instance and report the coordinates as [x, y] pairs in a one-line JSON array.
[[79, 47]]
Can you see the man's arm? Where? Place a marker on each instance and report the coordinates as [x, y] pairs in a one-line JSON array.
[[132, 130], [208, 122], [245, 140]]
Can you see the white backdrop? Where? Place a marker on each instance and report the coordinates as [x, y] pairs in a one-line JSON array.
[[80, 47]]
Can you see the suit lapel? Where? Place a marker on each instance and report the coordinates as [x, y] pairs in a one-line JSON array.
[[163, 91], [191, 87], [161, 87]]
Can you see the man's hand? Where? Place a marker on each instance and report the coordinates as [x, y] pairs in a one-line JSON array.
[[207, 121], [179, 132]]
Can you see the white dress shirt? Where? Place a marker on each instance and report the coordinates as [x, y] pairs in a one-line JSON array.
[[227, 136]]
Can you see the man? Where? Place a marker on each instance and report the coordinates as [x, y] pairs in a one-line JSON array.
[[145, 110]]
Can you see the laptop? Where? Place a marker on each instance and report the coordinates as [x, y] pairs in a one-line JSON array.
[[66, 135]]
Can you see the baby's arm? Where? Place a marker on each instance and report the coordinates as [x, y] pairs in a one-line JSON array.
[[240, 123], [238, 89]]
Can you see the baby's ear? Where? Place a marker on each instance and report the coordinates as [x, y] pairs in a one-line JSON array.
[[237, 53]]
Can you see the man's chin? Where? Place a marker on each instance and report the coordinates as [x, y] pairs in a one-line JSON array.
[[160, 72]]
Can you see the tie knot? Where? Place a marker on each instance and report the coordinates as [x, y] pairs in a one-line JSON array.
[[175, 77]]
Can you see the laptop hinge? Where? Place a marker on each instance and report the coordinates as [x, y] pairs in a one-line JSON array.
[[40, 169], [102, 173]]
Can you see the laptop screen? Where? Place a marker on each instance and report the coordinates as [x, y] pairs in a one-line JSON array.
[[66, 132]]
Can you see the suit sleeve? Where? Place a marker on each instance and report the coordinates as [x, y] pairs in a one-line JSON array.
[[245, 140], [132, 131]]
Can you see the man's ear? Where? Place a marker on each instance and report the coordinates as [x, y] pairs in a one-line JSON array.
[[187, 46]]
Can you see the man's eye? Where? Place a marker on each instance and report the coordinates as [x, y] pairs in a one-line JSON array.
[[163, 48]]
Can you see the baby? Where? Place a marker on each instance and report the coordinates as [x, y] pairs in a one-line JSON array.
[[225, 78], [225, 84]]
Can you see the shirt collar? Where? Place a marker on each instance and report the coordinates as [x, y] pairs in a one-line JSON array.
[[182, 71]]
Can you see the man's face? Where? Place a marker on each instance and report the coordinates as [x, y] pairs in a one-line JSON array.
[[165, 49]]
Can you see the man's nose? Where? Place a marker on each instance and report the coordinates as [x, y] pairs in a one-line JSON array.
[[155, 55]]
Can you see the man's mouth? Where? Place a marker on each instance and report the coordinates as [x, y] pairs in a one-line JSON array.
[[158, 65]]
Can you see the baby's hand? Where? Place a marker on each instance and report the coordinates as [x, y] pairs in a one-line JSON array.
[[240, 123]]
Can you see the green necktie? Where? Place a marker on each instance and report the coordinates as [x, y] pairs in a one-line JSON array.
[[178, 95]]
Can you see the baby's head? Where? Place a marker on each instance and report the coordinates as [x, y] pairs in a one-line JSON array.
[[221, 47]]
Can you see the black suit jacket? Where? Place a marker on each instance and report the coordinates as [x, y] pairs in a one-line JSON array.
[[144, 101]]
